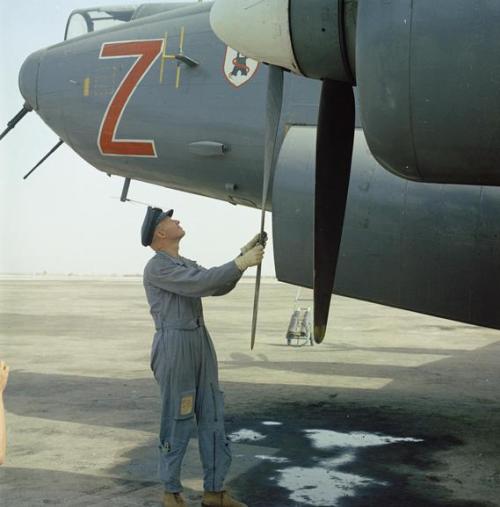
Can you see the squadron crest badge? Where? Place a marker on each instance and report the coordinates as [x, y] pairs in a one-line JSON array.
[[238, 69]]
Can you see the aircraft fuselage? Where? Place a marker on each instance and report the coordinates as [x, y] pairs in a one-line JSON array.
[[162, 100]]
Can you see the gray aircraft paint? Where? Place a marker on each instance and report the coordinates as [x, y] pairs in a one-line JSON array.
[[424, 247]]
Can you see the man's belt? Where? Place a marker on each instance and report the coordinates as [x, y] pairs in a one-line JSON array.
[[181, 324]]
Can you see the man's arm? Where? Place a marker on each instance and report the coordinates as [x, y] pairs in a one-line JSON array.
[[4, 375], [245, 249], [223, 290], [191, 281], [226, 289]]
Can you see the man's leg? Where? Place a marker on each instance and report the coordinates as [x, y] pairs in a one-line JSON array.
[[173, 370], [175, 432], [215, 450]]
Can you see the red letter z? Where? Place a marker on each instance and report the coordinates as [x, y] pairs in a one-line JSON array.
[[146, 51]]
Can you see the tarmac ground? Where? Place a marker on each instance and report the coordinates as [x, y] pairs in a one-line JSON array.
[[393, 409]]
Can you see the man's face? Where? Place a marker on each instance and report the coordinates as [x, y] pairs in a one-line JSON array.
[[170, 229]]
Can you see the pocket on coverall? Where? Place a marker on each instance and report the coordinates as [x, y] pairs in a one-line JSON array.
[[185, 405]]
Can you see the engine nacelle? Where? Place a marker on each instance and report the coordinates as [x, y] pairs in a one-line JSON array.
[[428, 77], [427, 71], [293, 207]]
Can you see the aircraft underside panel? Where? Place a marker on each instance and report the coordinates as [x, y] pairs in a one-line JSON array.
[[424, 247]]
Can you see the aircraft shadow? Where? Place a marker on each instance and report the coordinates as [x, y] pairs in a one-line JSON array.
[[403, 473]]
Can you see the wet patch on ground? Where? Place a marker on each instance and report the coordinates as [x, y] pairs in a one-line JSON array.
[[328, 461], [327, 450]]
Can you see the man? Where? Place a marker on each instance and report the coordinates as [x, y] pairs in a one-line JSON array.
[[183, 358]]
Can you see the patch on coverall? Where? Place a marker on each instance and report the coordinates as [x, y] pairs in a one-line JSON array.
[[186, 405], [165, 447]]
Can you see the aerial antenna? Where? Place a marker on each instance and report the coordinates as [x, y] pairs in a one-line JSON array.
[[19, 116], [126, 186], [139, 203], [124, 196], [44, 158]]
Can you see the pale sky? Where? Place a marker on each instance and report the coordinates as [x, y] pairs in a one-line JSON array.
[[63, 219]]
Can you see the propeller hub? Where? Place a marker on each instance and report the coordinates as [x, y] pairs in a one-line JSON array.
[[268, 19], [317, 41]]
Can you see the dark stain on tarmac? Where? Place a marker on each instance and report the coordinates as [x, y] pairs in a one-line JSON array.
[[410, 472], [392, 464]]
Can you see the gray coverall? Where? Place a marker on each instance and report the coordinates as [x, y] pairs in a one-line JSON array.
[[184, 364]]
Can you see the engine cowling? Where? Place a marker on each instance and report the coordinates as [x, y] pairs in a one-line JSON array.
[[316, 41], [428, 75], [427, 72], [293, 207]]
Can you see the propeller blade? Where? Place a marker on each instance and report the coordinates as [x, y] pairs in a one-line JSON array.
[[44, 158], [335, 137], [273, 115], [12, 123]]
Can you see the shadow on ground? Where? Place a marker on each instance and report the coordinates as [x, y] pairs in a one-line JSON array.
[[399, 474]]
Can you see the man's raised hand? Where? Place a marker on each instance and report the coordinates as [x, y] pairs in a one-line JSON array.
[[253, 242], [253, 257]]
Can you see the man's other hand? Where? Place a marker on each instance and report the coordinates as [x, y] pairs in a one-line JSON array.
[[253, 242], [251, 258]]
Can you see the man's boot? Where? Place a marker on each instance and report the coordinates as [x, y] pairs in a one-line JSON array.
[[219, 499], [173, 500]]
